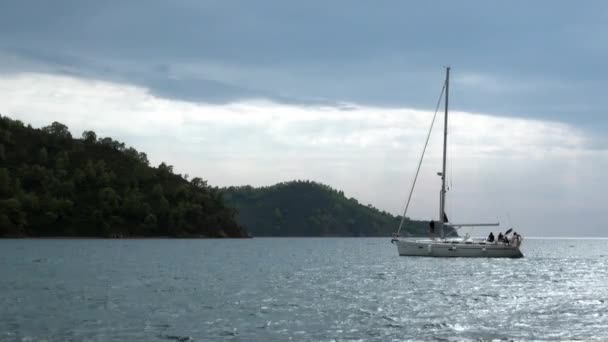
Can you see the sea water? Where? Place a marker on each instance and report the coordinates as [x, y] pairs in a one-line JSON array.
[[300, 289]]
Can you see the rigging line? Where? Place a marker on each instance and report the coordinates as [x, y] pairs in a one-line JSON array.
[[421, 158], [451, 178]]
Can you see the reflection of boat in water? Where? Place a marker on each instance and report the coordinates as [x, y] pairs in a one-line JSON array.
[[459, 246]]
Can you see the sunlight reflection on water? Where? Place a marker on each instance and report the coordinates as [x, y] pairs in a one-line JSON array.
[[301, 288]]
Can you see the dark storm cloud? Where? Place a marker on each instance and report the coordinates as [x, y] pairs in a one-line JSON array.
[[541, 59]]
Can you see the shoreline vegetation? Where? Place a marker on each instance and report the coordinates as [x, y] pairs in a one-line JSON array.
[[118, 237], [309, 209], [55, 186]]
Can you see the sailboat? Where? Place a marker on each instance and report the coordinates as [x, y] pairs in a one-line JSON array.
[[442, 246]]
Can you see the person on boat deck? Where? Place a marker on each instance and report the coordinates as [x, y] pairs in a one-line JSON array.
[[505, 240], [491, 237], [395, 238], [500, 237], [432, 227], [515, 239]]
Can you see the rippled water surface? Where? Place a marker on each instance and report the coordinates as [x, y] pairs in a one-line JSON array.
[[296, 289]]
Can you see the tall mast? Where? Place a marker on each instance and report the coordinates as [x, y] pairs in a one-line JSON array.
[[445, 144]]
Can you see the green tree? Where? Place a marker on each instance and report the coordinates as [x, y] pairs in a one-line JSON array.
[[164, 170], [43, 156], [58, 129], [79, 177], [30, 202], [6, 226], [5, 183], [12, 209], [109, 142], [66, 188], [133, 205], [6, 137], [49, 218], [143, 158], [150, 221], [277, 215], [198, 182], [108, 199], [89, 137], [90, 171], [62, 160]]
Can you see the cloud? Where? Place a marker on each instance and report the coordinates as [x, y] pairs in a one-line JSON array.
[[509, 59], [538, 173]]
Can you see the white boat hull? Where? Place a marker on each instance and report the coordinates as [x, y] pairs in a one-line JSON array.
[[447, 248]]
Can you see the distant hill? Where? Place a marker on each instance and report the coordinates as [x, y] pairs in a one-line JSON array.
[[304, 208], [54, 185]]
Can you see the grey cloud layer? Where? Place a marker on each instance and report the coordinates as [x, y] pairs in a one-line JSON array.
[[542, 59]]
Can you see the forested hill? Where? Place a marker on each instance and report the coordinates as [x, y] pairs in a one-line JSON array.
[[52, 184], [304, 208]]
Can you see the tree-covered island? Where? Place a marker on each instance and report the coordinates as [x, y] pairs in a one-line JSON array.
[[305, 208], [52, 184]]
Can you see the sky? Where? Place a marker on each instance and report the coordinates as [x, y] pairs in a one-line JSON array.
[[339, 92]]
